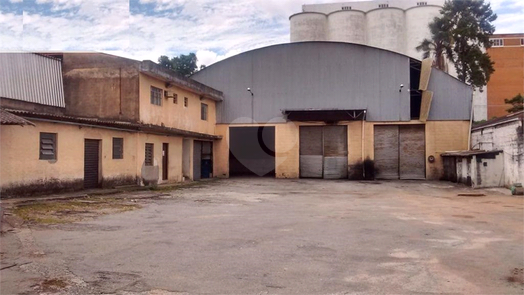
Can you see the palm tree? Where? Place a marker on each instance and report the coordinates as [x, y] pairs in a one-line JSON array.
[[436, 46]]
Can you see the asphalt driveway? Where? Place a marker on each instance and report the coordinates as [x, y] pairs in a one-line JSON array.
[[267, 236]]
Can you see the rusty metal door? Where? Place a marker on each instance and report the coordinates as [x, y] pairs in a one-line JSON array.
[[91, 163], [335, 152], [311, 151], [386, 141], [412, 152]]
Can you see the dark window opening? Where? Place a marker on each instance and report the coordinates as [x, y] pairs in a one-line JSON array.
[[203, 111], [186, 102], [47, 146], [149, 154], [118, 148], [175, 98], [156, 96], [414, 92]]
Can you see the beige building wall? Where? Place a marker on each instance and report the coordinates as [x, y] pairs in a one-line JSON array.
[[441, 136], [22, 168], [175, 115]]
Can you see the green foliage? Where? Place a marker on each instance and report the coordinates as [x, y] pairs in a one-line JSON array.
[[185, 65], [517, 103], [461, 34]]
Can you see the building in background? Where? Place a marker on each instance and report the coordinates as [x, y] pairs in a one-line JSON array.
[[504, 134], [396, 25], [335, 110], [508, 79], [85, 120]]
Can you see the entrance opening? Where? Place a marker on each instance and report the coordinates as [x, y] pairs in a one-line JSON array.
[[414, 94], [252, 151], [165, 161], [91, 163]]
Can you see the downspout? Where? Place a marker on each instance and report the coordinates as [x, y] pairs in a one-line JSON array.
[[470, 120], [362, 145]]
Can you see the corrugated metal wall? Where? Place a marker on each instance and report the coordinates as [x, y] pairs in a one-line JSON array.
[[451, 98], [32, 78], [325, 75], [319, 75]]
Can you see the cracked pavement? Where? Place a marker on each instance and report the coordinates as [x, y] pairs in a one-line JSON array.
[[277, 236]]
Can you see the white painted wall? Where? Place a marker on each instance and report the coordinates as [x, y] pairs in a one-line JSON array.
[[509, 138], [347, 26], [309, 27]]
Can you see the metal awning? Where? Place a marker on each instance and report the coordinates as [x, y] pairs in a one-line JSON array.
[[325, 115]]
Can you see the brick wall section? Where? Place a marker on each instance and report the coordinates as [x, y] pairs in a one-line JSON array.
[[509, 138]]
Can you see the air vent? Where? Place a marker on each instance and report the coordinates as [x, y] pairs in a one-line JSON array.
[[346, 7], [422, 3], [383, 5]]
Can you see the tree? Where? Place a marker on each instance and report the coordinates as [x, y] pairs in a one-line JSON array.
[[435, 45], [517, 103], [461, 34], [185, 65]]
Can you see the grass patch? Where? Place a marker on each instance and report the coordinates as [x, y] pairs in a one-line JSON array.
[[64, 211]]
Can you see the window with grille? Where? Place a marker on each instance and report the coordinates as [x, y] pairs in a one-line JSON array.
[[497, 42], [175, 98], [346, 7], [47, 146], [203, 112], [186, 102], [156, 96], [149, 154], [383, 5], [422, 3], [118, 148]]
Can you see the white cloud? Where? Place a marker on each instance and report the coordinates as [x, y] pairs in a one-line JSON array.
[[213, 29]]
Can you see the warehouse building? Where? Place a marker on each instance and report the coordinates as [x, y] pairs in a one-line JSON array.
[[396, 25], [335, 110], [71, 121]]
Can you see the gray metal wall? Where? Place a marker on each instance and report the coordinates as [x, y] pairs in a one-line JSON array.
[[31, 78], [310, 75], [451, 97], [326, 75]]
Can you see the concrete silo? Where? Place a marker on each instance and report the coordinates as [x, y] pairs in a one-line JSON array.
[[417, 21], [386, 28], [347, 26], [308, 26]]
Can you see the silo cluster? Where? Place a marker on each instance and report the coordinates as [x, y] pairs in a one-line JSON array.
[[393, 28]]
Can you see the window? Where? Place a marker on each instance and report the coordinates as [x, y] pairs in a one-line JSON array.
[[175, 98], [497, 42], [422, 3], [186, 102], [522, 42], [346, 7], [203, 111], [118, 148], [156, 96], [149, 154], [47, 146], [383, 5]]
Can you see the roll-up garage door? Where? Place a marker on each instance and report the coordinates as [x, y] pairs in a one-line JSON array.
[[400, 152], [311, 154], [412, 152], [386, 151], [323, 152], [335, 152]]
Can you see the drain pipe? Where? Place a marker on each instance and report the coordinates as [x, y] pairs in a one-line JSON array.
[[362, 145], [470, 120]]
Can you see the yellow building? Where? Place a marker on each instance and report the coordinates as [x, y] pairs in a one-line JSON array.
[[114, 122]]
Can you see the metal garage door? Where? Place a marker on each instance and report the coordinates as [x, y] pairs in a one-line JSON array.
[[400, 152], [412, 152], [91, 160], [335, 152], [386, 152], [311, 151], [323, 152]]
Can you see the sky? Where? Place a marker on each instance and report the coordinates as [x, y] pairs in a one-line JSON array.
[[146, 29]]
